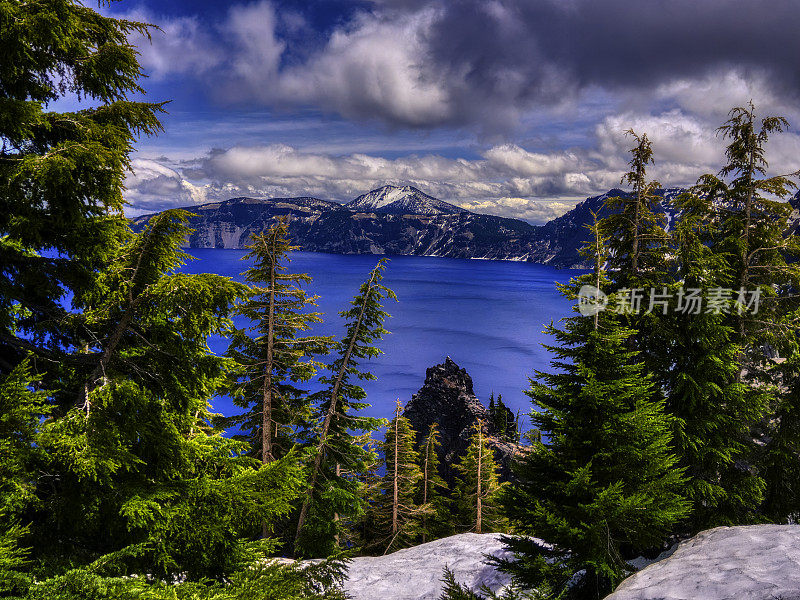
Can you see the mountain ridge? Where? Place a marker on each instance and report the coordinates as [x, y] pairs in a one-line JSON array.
[[405, 221]]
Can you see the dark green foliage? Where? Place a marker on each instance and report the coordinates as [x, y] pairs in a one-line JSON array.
[[713, 410], [21, 409], [603, 485], [108, 463], [273, 357], [455, 591], [263, 580], [634, 228], [433, 490], [475, 493], [502, 419], [61, 174], [752, 225], [335, 489], [780, 462], [397, 517]]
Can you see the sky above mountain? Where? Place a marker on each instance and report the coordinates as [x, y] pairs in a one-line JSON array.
[[509, 107]]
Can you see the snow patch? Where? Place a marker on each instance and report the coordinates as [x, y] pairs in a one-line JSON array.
[[755, 562], [416, 573]]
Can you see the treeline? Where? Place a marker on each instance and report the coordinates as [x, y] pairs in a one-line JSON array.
[[672, 404], [412, 504]]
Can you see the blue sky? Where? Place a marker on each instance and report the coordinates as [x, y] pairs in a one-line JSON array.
[[511, 107]]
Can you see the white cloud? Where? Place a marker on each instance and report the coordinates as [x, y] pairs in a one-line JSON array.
[[182, 46]]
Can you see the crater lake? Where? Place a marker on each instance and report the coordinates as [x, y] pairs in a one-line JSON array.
[[488, 316]]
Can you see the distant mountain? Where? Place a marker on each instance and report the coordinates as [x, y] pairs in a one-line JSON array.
[[406, 200], [406, 221]]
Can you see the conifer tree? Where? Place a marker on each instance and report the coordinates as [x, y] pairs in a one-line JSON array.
[[398, 517], [274, 357], [476, 487], [634, 229], [434, 492], [602, 482], [713, 410], [637, 252], [329, 493], [752, 228], [135, 458], [61, 173], [761, 259]]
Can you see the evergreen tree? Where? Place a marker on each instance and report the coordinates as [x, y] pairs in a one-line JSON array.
[[134, 457], [275, 358], [752, 236], [476, 487], [398, 517], [434, 491], [602, 484], [780, 463], [634, 229], [713, 410], [61, 174], [761, 259], [340, 458], [106, 448], [636, 250]]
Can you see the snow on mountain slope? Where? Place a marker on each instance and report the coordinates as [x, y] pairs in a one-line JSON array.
[[402, 200]]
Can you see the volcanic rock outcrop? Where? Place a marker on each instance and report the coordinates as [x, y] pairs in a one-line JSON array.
[[447, 399]]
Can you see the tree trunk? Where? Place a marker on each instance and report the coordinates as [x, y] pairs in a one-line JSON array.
[[395, 499], [266, 401], [425, 486], [329, 416], [480, 468]]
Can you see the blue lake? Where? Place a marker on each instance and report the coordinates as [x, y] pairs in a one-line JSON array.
[[488, 316]]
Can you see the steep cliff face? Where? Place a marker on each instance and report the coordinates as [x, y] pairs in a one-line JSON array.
[[447, 399]]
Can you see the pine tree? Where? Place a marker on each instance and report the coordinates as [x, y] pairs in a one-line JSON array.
[[276, 358], [398, 517], [106, 446], [636, 250], [328, 493], [61, 174], [780, 463], [752, 228], [476, 487], [434, 492], [713, 410], [634, 228], [135, 458], [761, 259], [602, 484]]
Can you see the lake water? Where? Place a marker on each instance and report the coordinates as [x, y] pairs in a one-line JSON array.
[[488, 316]]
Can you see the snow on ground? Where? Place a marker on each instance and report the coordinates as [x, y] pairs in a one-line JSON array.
[[758, 562], [416, 573]]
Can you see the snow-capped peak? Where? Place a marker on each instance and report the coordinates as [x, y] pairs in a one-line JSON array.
[[402, 200]]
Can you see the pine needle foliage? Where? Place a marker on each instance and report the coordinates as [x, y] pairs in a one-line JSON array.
[[397, 515], [714, 411], [603, 483], [433, 492], [61, 173], [476, 488], [334, 483], [634, 228], [273, 356]]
